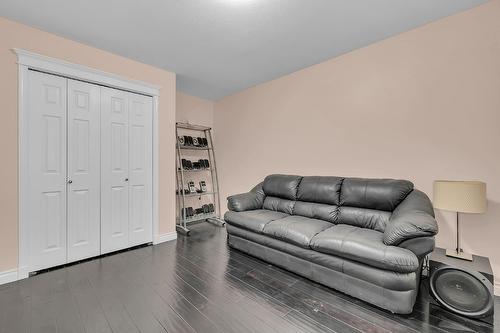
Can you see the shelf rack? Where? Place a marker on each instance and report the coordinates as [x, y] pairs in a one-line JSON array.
[[193, 170], [197, 194], [194, 148], [182, 174]]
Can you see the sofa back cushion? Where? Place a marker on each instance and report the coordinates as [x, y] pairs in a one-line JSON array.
[[379, 194], [279, 204], [363, 217], [361, 202], [318, 189], [316, 211], [281, 186]]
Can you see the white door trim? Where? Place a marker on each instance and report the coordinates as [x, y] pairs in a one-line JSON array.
[[28, 60], [84, 73]]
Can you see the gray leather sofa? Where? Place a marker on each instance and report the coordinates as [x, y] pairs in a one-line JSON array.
[[364, 237]]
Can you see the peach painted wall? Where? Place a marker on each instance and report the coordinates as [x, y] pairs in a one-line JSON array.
[[422, 105], [194, 110], [15, 35]]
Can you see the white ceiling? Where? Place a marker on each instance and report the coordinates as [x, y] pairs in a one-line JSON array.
[[219, 47]]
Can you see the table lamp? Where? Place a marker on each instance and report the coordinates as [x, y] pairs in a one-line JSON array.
[[460, 197]]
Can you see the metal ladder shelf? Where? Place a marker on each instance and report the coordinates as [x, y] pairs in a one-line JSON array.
[[182, 174]]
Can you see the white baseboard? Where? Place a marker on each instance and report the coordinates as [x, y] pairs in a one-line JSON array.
[[8, 276], [165, 237], [12, 275]]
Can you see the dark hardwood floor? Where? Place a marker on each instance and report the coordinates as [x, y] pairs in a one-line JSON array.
[[197, 284]]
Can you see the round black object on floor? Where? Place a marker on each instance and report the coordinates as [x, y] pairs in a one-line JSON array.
[[467, 293]]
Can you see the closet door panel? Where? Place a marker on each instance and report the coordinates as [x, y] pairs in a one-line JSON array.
[[46, 169], [140, 162], [114, 170], [83, 170]]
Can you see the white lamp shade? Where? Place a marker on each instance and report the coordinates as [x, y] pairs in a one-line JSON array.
[[460, 196]]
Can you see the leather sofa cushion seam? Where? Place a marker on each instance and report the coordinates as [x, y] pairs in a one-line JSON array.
[[262, 231], [297, 191], [385, 261], [342, 242], [317, 234], [340, 195], [293, 206]]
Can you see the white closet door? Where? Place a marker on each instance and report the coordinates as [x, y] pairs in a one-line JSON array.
[[47, 169], [140, 164], [114, 170], [83, 170]]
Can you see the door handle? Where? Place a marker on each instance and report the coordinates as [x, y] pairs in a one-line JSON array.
[[70, 181], [126, 179]]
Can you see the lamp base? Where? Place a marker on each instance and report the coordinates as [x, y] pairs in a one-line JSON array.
[[459, 255]]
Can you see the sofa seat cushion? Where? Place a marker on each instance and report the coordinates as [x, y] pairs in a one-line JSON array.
[[380, 277], [296, 230], [365, 246], [254, 220]]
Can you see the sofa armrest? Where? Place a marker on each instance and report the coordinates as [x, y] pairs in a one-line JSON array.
[[409, 225], [412, 218], [420, 246], [243, 201], [247, 201]]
